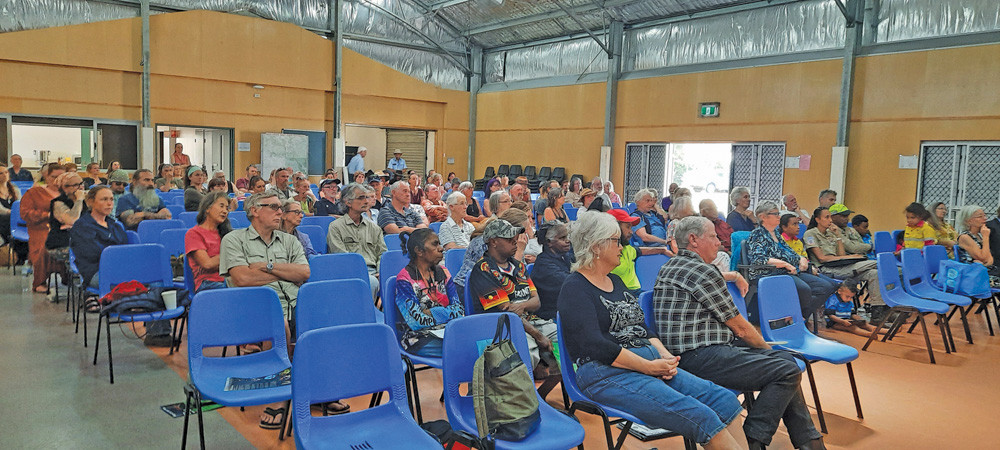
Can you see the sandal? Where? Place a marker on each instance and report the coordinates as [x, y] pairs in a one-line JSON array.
[[335, 407], [248, 349], [93, 305], [271, 418]]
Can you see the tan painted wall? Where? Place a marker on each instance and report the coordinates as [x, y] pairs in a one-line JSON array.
[[204, 65]]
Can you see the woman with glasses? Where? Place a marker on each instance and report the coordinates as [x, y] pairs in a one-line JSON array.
[[555, 211], [202, 243], [765, 247], [291, 218], [974, 240], [621, 362], [64, 211]]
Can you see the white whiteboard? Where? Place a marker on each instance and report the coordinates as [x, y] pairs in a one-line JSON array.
[[283, 150]]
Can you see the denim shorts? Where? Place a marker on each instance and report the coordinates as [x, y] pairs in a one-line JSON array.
[[695, 408]]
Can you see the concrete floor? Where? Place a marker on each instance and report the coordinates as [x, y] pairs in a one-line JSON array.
[[54, 397]]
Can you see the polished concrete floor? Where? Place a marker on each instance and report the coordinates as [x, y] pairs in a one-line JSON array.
[[55, 398]]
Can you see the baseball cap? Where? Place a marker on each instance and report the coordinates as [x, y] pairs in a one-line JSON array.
[[118, 176], [623, 216], [839, 208], [323, 183], [500, 228]]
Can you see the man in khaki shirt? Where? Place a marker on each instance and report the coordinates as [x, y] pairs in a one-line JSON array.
[[261, 255], [353, 233]]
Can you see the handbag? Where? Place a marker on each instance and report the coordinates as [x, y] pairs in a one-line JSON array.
[[503, 392], [971, 280]]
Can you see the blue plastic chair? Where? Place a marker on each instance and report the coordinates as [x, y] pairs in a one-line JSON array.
[[778, 301], [436, 226], [916, 285], [339, 266], [213, 324], [580, 401], [188, 277], [18, 228], [331, 303], [453, 260], [390, 264], [899, 301], [741, 303], [882, 242], [392, 242], [118, 265], [630, 207], [149, 230], [175, 210], [190, 218], [349, 361], [933, 255], [177, 200], [133, 237], [802, 230], [570, 212], [391, 311], [319, 221], [23, 186], [172, 240], [461, 349], [478, 195], [317, 236], [467, 301], [646, 269]]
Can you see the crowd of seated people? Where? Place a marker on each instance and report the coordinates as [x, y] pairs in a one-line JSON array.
[[583, 269]]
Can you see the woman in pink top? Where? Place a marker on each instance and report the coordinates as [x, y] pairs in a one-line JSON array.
[[202, 243]]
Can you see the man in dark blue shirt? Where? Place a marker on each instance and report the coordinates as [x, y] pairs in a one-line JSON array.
[[18, 173], [142, 203]]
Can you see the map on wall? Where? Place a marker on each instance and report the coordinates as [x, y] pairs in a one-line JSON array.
[[283, 150]]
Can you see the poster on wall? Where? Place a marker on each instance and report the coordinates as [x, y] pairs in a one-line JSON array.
[[283, 150]]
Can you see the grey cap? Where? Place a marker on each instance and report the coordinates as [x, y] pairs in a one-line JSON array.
[[500, 228], [119, 175]]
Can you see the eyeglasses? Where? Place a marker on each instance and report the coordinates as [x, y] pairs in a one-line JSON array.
[[273, 206], [118, 182], [615, 240], [299, 212], [73, 184], [772, 213]]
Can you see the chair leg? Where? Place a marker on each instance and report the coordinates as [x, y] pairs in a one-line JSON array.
[[607, 427], [819, 408], [854, 390], [623, 435], [689, 444], [416, 396], [111, 366], [83, 318], [927, 338], [944, 333], [284, 419], [897, 323], [97, 340], [986, 313], [965, 323], [874, 334]]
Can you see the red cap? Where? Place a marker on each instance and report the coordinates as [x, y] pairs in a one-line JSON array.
[[623, 216]]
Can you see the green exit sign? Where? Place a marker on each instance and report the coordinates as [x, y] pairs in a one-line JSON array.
[[708, 109]]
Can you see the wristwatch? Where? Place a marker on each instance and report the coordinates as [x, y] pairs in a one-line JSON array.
[[270, 267]]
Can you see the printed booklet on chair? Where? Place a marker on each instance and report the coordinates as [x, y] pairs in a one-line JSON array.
[[269, 381]]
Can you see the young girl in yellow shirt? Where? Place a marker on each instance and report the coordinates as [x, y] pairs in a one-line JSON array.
[[918, 233]]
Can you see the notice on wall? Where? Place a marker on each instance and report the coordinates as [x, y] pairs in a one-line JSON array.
[[909, 161], [791, 162], [243, 146], [804, 162]]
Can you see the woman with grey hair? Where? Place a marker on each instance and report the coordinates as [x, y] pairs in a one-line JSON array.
[[291, 218], [765, 246], [499, 202], [456, 232], [622, 363], [974, 238], [742, 218]]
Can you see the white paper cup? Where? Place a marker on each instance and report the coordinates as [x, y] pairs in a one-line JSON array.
[[169, 299]]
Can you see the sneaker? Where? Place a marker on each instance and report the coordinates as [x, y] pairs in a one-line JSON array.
[[157, 341]]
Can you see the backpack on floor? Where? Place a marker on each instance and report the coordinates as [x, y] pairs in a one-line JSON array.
[[503, 392]]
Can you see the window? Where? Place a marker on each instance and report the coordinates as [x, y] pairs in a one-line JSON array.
[[958, 174]]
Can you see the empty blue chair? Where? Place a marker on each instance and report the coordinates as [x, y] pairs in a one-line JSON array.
[[349, 361], [570, 212], [331, 303], [391, 242], [453, 260], [580, 401], [149, 230], [19, 228], [390, 264], [882, 242], [118, 265], [461, 349], [175, 210], [646, 269], [391, 311], [916, 285], [779, 302], [320, 221], [213, 324], [436, 226], [339, 266], [172, 240], [133, 237], [317, 236], [190, 218], [23, 186], [899, 301]]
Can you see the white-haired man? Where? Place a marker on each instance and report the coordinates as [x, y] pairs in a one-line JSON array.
[[399, 215]]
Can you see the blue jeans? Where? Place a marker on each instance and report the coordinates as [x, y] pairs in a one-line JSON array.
[[208, 285], [689, 405]]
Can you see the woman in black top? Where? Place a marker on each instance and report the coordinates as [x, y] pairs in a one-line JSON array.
[[195, 190], [94, 170], [621, 362], [64, 211], [555, 209], [551, 266]]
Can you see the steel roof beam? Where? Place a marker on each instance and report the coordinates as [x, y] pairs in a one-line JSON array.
[[543, 16]]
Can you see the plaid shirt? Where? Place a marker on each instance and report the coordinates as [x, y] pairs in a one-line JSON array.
[[692, 304]]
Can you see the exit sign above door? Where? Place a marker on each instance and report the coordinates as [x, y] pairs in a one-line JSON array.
[[708, 109]]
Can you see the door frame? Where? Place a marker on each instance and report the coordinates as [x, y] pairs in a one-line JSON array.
[[227, 157]]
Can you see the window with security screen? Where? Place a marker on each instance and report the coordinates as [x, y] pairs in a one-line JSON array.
[[759, 167], [960, 173]]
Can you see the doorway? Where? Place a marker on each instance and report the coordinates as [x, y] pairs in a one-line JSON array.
[[702, 167], [417, 146], [209, 147]]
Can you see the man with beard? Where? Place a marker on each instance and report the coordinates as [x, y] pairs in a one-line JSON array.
[[118, 180], [142, 203]]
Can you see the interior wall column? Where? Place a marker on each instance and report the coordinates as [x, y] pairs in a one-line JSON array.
[[615, 37], [147, 147], [475, 82], [336, 22]]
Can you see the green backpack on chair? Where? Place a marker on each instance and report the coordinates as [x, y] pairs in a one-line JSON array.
[[503, 392]]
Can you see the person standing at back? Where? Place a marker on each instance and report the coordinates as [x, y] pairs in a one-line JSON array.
[[357, 163], [397, 162], [178, 156]]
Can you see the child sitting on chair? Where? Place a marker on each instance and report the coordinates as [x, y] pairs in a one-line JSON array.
[[860, 224], [841, 314]]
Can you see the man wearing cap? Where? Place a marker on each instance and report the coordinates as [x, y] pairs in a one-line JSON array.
[[841, 217], [328, 205], [243, 184], [117, 181], [499, 283], [626, 261], [837, 255], [357, 163], [397, 162]]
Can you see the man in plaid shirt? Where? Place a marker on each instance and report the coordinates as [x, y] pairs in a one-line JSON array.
[[698, 321]]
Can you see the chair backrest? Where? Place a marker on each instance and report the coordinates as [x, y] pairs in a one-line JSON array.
[[780, 311], [802, 230], [175, 210], [741, 303], [933, 255], [559, 173], [529, 171], [736, 241], [175, 200], [490, 172], [172, 240], [239, 215], [544, 173], [391, 242], [320, 221], [646, 269], [913, 267], [390, 264], [528, 270], [23, 185], [145, 263], [646, 303], [514, 171], [333, 303], [190, 218], [630, 207], [453, 260], [344, 362], [317, 236], [895, 235], [567, 368], [149, 230], [478, 195], [888, 279], [133, 237], [188, 277], [503, 169], [468, 302], [459, 354], [570, 212], [436, 226], [16, 222], [338, 266], [212, 323], [389, 309], [883, 242]]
